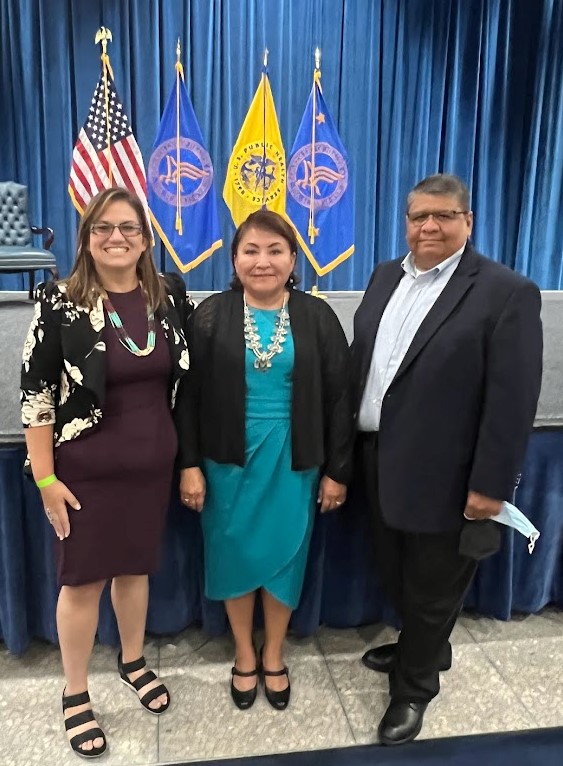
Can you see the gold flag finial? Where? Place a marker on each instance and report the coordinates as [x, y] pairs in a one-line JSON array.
[[103, 35], [317, 57]]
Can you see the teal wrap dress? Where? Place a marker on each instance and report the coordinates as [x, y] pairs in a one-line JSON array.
[[257, 519]]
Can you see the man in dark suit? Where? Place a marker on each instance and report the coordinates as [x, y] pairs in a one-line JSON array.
[[447, 358]]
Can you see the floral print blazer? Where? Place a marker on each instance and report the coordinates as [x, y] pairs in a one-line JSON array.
[[63, 366]]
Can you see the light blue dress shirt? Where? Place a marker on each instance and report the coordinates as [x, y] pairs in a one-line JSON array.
[[415, 295]]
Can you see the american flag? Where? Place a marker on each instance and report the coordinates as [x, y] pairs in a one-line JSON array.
[[91, 169]]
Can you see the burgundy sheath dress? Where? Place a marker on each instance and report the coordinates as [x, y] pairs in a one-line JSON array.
[[121, 472]]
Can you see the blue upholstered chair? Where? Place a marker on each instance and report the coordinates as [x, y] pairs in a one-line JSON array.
[[17, 253]]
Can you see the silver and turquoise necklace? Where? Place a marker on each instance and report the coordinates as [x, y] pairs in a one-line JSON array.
[[253, 341]]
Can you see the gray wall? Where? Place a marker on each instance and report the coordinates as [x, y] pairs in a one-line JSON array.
[[16, 312]]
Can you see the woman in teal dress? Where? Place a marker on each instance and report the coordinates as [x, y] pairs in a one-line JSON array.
[[265, 433]]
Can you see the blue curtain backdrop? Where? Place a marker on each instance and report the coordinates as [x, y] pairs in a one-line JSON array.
[[341, 588], [415, 86]]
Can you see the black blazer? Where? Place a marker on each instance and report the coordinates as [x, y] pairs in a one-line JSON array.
[[210, 411], [459, 411], [63, 368]]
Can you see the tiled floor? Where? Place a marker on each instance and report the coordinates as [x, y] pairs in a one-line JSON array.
[[505, 676]]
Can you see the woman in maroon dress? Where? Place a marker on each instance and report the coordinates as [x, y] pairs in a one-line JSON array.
[[101, 364]]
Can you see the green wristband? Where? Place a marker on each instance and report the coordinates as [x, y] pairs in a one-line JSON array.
[[47, 481]]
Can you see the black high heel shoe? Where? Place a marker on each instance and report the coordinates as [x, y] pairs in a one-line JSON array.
[[278, 700], [243, 699]]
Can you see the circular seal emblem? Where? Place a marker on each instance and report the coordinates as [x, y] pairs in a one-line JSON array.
[[259, 177], [195, 172], [330, 176]]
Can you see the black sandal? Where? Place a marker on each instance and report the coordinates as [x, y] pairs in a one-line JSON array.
[[243, 699], [78, 720], [139, 683]]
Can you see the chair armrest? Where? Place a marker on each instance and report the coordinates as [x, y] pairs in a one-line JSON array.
[[44, 230]]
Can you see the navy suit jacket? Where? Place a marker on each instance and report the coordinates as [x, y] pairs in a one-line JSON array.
[[458, 414]]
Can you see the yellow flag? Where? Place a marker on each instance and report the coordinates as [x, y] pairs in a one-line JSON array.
[[256, 175]]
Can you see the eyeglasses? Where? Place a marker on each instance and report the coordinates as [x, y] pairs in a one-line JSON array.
[[441, 216], [107, 229]]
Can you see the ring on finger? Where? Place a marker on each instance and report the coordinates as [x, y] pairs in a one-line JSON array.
[[48, 515]]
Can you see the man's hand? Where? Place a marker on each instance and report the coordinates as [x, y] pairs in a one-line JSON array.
[[481, 507]]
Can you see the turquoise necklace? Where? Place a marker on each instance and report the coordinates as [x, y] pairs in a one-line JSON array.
[[124, 338]]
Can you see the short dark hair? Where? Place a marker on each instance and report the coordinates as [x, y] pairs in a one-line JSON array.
[[265, 220], [442, 183]]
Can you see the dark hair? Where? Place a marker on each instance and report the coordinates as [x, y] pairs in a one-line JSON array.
[[83, 284], [442, 183], [265, 220]]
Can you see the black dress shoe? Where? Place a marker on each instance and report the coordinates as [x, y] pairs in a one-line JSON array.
[[278, 700], [402, 722], [381, 658], [243, 699]]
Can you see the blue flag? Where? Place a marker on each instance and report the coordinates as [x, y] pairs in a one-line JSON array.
[[320, 197], [181, 193]]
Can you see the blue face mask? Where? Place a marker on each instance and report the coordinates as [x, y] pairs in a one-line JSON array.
[[512, 517]]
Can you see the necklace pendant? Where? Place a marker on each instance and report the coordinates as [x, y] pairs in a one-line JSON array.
[[262, 363]]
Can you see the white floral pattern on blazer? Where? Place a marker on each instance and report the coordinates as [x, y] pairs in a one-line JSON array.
[[64, 358]]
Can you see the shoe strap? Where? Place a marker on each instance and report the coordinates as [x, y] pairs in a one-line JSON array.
[[243, 673], [143, 680], [283, 672], [75, 699], [152, 694], [86, 736], [131, 667], [80, 718]]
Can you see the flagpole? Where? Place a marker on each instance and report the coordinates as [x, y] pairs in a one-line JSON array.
[[103, 35], [316, 81], [311, 230], [264, 75], [179, 73]]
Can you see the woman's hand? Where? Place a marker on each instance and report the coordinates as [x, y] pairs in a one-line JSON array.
[[331, 494], [55, 498], [192, 488]]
